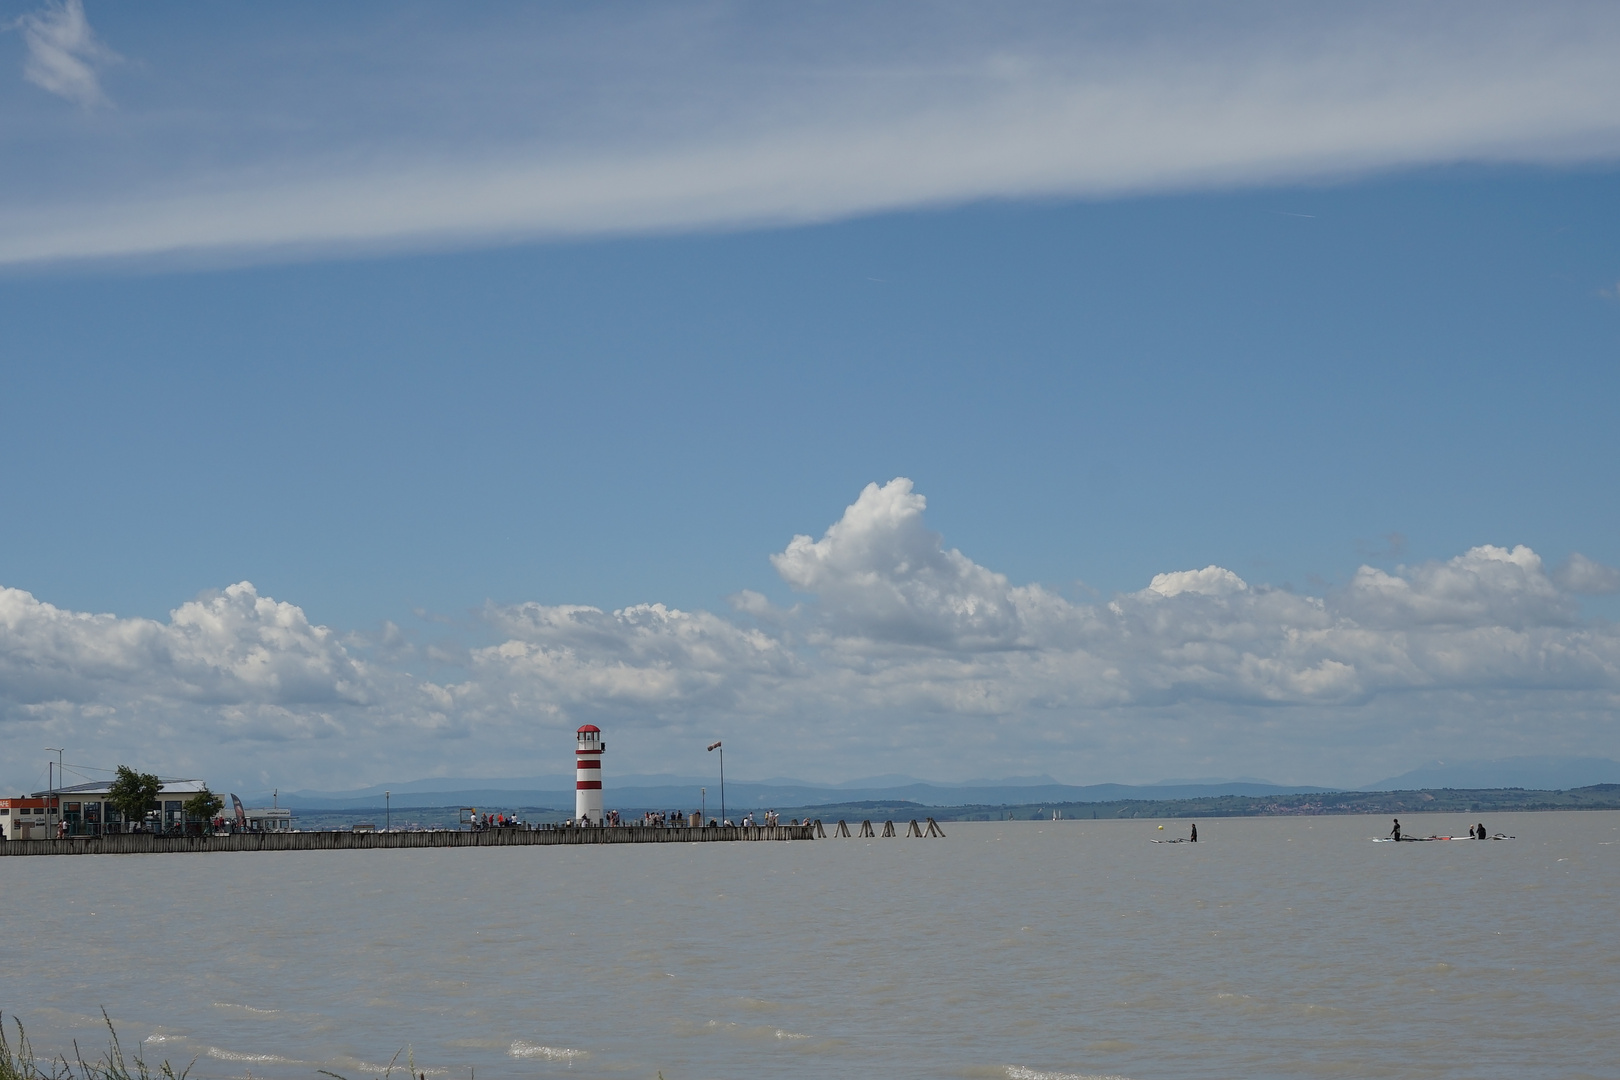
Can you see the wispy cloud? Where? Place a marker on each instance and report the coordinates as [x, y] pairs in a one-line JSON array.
[[523, 124], [63, 52]]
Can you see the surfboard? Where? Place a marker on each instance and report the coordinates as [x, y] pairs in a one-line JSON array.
[[1429, 839]]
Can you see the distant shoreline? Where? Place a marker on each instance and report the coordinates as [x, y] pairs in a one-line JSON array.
[[1422, 801]]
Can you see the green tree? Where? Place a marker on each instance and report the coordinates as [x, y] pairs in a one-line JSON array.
[[134, 793], [203, 805]]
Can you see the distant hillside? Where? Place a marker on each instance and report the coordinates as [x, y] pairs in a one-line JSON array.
[[637, 794], [1448, 800]]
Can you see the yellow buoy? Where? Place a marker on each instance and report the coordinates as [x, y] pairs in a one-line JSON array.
[[1161, 828]]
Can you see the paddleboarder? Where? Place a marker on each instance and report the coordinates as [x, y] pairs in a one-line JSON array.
[[1395, 833], [1483, 835]]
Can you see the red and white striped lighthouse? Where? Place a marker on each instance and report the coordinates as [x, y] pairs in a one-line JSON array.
[[588, 774]]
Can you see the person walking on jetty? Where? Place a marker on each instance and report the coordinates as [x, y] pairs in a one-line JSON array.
[[1395, 833]]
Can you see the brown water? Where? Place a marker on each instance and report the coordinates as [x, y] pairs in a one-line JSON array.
[[1287, 947]]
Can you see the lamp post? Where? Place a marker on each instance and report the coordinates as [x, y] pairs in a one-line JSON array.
[[57, 780], [388, 811], [703, 804], [716, 746]]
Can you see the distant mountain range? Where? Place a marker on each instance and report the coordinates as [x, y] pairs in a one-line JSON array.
[[683, 792], [664, 791]]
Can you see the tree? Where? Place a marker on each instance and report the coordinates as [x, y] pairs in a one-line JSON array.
[[203, 805], [133, 793]]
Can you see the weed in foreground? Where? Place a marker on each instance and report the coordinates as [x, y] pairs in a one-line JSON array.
[[19, 1063]]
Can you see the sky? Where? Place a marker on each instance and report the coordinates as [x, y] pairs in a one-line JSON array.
[[1107, 391]]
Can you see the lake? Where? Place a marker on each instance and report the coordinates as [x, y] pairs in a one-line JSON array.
[[1275, 947]]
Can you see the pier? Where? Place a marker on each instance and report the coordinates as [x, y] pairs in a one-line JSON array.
[[147, 844]]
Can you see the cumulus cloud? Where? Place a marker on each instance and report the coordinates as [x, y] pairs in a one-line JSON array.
[[63, 52], [1210, 581], [533, 123], [233, 647], [880, 574], [1578, 574], [899, 625], [648, 656], [901, 645]]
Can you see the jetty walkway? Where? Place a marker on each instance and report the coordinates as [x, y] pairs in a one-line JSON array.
[[145, 843]]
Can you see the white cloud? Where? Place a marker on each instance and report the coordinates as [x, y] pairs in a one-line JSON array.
[[528, 125], [904, 650], [881, 575], [649, 657], [1210, 581], [1579, 574], [63, 52], [233, 647]]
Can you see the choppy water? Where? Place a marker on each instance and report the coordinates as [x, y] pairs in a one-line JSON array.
[[1022, 950]]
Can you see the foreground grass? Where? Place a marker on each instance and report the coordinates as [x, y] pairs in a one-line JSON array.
[[17, 1061]]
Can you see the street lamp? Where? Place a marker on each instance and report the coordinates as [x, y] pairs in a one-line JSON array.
[[388, 811], [716, 746], [703, 804], [53, 783]]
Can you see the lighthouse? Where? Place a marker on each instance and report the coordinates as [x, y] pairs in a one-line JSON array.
[[588, 775]]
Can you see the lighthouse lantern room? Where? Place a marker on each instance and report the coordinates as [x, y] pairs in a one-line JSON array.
[[588, 775]]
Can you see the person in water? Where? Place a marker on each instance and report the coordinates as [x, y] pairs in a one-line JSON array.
[[1395, 833], [1194, 837], [1483, 835]]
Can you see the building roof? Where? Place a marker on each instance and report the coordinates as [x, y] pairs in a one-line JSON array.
[[589, 727], [100, 787]]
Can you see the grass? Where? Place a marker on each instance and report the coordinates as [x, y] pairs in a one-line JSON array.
[[17, 1062]]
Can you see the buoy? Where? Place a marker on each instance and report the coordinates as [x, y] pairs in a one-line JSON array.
[[1161, 828]]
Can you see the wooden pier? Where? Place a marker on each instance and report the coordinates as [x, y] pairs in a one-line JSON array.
[[146, 844]]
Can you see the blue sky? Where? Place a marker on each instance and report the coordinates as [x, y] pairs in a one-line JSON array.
[[430, 327]]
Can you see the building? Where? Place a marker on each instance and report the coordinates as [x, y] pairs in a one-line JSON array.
[[85, 809], [28, 819], [269, 819]]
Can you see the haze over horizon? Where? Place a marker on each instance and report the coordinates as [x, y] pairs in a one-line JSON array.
[[1098, 390]]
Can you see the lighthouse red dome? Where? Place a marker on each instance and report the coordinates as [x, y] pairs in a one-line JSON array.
[[589, 727]]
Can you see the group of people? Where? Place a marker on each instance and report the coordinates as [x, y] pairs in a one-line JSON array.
[[1475, 832], [495, 821], [657, 819]]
